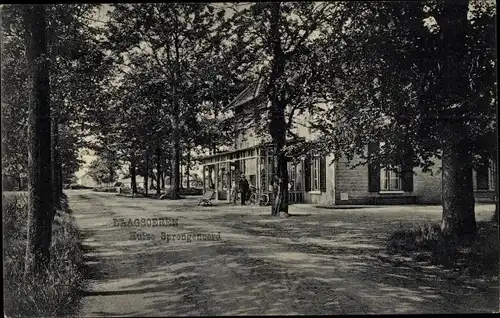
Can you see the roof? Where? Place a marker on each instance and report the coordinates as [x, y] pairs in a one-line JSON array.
[[260, 145], [250, 93], [232, 151]]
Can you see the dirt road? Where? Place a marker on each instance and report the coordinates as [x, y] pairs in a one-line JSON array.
[[318, 261]]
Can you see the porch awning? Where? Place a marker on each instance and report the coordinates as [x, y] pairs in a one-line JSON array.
[[225, 153], [261, 145]]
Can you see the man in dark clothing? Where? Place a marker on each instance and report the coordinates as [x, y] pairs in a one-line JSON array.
[[244, 188]]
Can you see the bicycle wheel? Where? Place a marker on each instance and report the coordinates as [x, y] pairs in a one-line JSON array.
[[253, 199], [264, 199]]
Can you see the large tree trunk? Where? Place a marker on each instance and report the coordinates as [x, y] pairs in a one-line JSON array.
[[277, 123], [181, 182], [457, 190], [133, 177], [55, 158], [458, 194], [163, 168], [163, 178], [181, 175], [280, 188], [146, 175], [111, 175], [496, 217], [158, 168], [495, 168], [176, 149], [61, 178], [175, 165], [170, 174], [166, 170], [20, 183], [40, 199], [188, 164]]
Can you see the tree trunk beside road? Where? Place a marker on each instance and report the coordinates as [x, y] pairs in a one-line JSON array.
[[40, 198]]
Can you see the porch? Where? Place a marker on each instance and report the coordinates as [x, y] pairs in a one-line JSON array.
[[221, 172]]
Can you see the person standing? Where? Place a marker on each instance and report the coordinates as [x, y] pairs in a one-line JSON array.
[[244, 188]]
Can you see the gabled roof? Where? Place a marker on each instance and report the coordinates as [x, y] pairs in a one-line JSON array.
[[250, 93]]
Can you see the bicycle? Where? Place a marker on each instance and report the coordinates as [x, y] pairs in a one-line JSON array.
[[263, 198]]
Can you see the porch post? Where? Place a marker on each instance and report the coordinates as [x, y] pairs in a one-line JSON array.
[[333, 181], [267, 171], [203, 177], [257, 167], [217, 181]]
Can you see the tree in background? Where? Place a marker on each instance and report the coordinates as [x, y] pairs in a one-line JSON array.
[[421, 78], [104, 169], [74, 56], [280, 43], [40, 205], [69, 144], [169, 40]]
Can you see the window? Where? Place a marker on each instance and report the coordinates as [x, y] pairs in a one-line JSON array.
[[314, 170], [292, 175], [298, 179], [315, 174], [390, 179], [295, 176], [486, 176], [493, 174]]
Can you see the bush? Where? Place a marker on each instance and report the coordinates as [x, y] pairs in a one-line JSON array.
[[56, 292], [476, 257]]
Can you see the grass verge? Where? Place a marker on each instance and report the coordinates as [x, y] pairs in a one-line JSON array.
[[57, 293], [478, 258]]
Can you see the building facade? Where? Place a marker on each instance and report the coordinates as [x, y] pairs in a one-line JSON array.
[[326, 180]]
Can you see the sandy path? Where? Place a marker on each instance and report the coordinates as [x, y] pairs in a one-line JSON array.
[[318, 261]]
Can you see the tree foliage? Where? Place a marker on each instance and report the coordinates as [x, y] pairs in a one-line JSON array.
[[384, 79], [104, 169], [75, 85], [280, 42]]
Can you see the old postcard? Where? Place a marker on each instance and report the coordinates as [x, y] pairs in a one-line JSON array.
[[250, 158]]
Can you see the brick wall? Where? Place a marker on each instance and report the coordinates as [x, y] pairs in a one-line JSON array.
[[354, 184], [427, 186]]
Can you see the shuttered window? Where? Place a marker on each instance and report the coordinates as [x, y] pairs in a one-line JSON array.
[[388, 178], [373, 170], [322, 174], [493, 175], [307, 173], [486, 176], [482, 177], [315, 172]]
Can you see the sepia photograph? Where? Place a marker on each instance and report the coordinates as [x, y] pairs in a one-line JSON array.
[[249, 158]]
